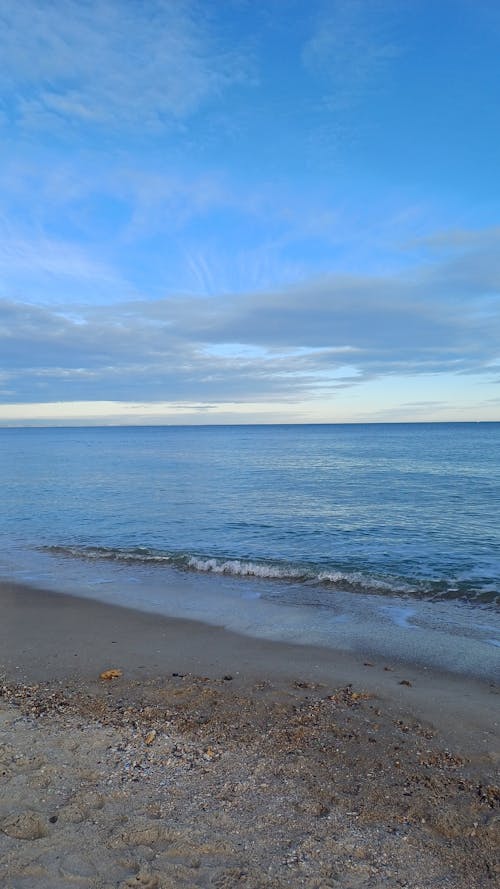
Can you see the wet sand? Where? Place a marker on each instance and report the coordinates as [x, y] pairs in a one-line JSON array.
[[220, 760]]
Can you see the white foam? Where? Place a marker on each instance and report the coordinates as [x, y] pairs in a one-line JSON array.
[[238, 568], [400, 615], [355, 578]]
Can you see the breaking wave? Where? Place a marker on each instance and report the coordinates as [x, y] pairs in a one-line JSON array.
[[351, 581]]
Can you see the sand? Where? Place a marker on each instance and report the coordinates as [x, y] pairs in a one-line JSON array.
[[219, 760]]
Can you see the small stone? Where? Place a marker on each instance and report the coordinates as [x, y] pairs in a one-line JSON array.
[[110, 674]]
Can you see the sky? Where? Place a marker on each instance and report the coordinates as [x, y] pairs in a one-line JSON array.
[[238, 211]]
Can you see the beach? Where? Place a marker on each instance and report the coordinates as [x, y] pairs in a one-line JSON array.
[[249, 445], [215, 759]]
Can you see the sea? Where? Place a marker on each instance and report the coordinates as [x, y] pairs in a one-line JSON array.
[[377, 538]]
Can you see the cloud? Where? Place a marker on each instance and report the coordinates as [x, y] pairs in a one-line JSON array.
[[55, 356], [111, 63], [321, 336], [457, 239], [51, 268], [51, 257]]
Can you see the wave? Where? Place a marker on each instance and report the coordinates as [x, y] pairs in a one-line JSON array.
[[266, 570], [136, 554], [332, 578], [242, 568]]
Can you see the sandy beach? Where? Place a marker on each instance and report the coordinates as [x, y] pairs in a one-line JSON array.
[[214, 759]]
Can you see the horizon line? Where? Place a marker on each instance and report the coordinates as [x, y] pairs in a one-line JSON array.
[[215, 425]]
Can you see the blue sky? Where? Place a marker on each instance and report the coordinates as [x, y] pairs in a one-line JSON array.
[[238, 211]]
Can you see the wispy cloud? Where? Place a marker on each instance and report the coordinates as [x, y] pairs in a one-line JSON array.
[[112, 63], [51, 257], [51, 270], [350, 50], [175, 230]]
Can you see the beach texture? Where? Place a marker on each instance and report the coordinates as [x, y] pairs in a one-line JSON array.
[[273, 775]]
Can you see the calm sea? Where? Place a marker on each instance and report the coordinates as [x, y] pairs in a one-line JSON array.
[[304, 517]]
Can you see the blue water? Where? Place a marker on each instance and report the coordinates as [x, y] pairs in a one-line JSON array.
[[297, 515]]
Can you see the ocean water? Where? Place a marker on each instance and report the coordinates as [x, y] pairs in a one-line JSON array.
[[337, 534]]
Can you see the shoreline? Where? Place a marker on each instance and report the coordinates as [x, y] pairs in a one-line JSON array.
[[216, 759], [50, 635], [453, 636]]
